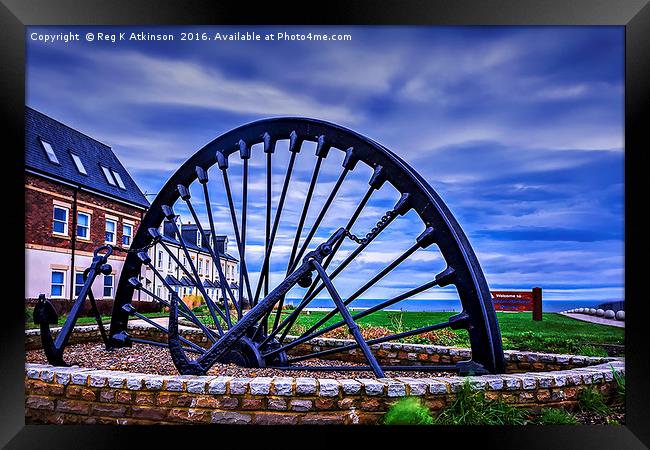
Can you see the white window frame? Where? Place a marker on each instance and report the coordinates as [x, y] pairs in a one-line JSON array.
[[81, 213], [114, 231], [49, 151], [200, 266], [130, 235], [159, 263], [64, 272], [107, 174], [65, 225], [76, 272], [112, 286], [118, 178], [78, 164]]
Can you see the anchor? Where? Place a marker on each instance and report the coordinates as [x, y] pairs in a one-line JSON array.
[[45, 314]]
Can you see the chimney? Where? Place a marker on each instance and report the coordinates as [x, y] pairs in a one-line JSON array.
[[221, 243]]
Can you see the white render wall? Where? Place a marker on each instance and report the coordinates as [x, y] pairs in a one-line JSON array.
[[38, 272]]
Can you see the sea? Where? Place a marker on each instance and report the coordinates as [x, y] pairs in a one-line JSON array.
[[438, 305]]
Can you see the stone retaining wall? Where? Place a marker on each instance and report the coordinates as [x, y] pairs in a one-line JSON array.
[[81, 395]]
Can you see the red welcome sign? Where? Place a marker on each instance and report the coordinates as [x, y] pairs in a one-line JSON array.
[[519, 301]]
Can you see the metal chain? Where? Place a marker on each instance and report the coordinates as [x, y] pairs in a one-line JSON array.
[[137, 250], [375, 230]]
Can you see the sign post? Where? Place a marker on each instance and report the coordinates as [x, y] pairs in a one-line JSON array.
[[537, 303], [519, 301]]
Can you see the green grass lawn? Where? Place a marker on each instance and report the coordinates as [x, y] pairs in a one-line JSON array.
[[29, 319], [555, 333]]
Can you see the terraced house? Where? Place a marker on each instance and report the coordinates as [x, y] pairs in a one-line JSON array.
[[78, 196], [168, 262]]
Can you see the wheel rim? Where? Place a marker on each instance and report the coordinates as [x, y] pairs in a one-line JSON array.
[[234, 150]]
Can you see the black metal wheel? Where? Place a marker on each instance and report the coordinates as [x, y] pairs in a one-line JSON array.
[[242, 183]]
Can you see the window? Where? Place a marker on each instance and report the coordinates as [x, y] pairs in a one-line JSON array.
[[158, 291], [58, 283], [108, 286], [198, 238], [83, 225], [49, 151], [108, 175], [78, 164], [160, 259], [169, 264], [184, 262], [78, 283], [60, 223], [111, 225], [200, 267], [127, 234], [118, 178]]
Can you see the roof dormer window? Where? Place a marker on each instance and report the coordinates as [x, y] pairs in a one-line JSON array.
[[49, 151], [118, 178], [78, 164], [108, 176]]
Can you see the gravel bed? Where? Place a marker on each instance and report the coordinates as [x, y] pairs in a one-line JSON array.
[[143, 358]]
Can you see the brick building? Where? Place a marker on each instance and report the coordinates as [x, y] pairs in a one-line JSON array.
[[78, 196]]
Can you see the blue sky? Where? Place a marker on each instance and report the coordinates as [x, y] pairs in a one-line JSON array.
[[520, 130]]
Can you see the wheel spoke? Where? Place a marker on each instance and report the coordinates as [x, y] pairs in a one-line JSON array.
[[392, 337], [192, 318], [303, 215], [245, 154], [214, 310], [442, 279], [162, 344], [156, 325], [424, 238], [186, 196], [212, 249], [288, 322], [352, 326], [314, 291], [269, 148], [294, 148], [223, 165], [209, 333]]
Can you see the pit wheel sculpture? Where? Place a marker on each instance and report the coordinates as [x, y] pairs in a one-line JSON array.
[[256, 336]]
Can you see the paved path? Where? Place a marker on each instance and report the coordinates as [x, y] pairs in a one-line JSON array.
[[596, 319]]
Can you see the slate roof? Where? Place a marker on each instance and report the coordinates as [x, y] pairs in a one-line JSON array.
[[191, 245], [92, 153], [172, 280]]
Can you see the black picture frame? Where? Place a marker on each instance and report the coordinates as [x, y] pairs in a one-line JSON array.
[[634, 15]]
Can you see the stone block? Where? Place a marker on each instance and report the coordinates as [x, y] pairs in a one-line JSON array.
[[282, 385], [305, 386], [219, 385], [239, 386], [260, 385], [301, 405], [328, 388]]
